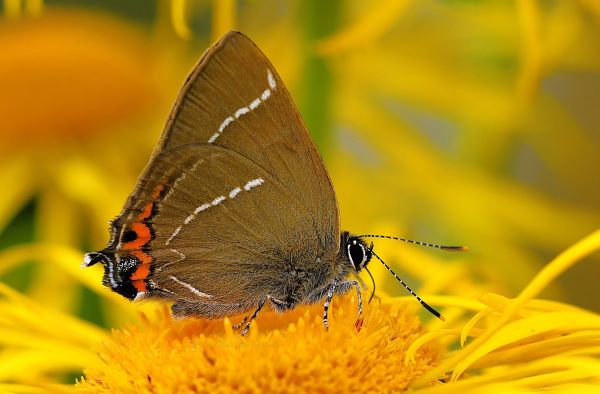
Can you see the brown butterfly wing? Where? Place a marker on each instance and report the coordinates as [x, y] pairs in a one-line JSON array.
[[230, 79], [228, 228], [233, 123]]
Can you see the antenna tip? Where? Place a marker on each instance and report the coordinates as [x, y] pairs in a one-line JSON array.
[[442, 318], [456, 248]]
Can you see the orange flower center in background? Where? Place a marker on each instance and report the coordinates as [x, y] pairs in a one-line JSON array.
[[70, 73]]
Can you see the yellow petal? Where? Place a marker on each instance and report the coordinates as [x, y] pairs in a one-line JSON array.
[[17, 172], [178, 19], [521, 331], [223, 19], [369, 26], [548, 273], [468, 327]]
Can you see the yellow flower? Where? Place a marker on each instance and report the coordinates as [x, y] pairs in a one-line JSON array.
[[74, 86], [286, 353], [77, 89], [468, 118], [511, 345], [520, 344], [87, 84], [465, 119]]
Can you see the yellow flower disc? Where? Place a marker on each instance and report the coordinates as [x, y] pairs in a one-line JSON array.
[[282, 353]]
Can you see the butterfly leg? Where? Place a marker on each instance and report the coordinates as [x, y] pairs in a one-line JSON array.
[[328, 301], [343, 288], [280, 305], [240, 324], [254, 315]]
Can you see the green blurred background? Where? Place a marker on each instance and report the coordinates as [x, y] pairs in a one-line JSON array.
[[470, 122]]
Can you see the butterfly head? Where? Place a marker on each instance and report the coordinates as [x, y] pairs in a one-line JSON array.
[[357, 252]]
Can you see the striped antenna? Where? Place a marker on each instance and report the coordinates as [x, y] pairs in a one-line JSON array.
[[443, 247], [423, 303]]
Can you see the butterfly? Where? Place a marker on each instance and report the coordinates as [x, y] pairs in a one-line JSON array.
[[235, 209]]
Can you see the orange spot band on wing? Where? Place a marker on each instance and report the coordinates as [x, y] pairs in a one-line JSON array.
[[139, 285], [143, 258], [146, 212], [143, 236], [141, 272], [157, 191]]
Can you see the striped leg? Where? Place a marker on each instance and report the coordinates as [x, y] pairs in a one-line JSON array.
[[240, 324], [343, 288], [328, 301], [256, 312], [359, 320]]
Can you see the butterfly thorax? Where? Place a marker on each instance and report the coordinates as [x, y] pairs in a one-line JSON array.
[[303, 281]]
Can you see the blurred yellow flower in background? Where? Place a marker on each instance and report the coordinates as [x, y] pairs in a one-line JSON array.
[[73, 106], [451, 121]]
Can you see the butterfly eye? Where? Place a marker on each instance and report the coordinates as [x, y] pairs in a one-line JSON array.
[[357, 254]]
